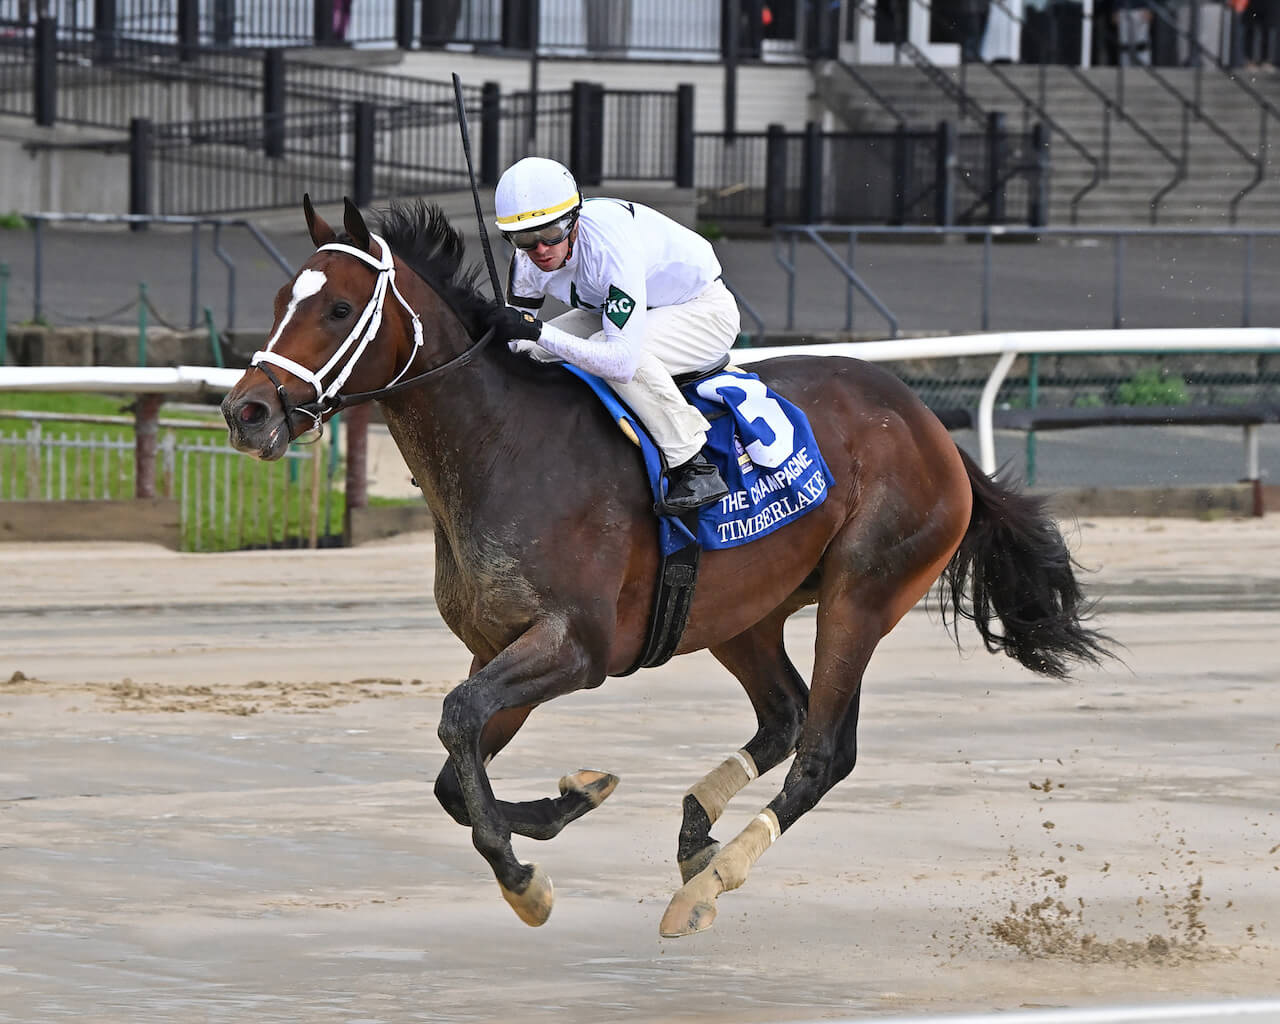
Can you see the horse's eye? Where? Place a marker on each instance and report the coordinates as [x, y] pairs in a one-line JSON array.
[[341, 310]]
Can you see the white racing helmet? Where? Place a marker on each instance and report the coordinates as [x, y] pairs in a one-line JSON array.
[[534, 192]]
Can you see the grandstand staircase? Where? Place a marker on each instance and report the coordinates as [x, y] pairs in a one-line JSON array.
[[1134, 170]]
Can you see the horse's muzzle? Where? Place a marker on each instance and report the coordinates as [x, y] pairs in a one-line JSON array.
[[256, 426]]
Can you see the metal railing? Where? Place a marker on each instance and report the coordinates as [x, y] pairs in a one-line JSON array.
[[788, 235], [216, 225]]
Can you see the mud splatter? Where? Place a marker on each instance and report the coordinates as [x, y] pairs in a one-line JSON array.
[[233, 699]]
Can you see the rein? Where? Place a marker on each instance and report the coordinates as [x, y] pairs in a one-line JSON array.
[[329, 399]]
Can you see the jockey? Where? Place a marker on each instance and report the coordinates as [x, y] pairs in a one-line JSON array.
[[646, 302]]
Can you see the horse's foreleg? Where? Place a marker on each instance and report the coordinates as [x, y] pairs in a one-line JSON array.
[[534, 819], [826, 754], [779, 697], [545, 662]]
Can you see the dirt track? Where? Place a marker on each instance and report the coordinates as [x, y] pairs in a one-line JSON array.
[[216, 805]]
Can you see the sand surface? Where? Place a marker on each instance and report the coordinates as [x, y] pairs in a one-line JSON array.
[[215, 805]]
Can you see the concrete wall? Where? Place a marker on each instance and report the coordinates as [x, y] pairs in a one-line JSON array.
[[58, 179]]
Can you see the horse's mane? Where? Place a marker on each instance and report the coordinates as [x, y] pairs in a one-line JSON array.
[[421, 235]]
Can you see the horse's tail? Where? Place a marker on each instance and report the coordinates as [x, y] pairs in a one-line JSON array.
[[1014, 566]]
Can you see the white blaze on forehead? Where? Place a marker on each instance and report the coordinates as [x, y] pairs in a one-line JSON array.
[[307, 284]]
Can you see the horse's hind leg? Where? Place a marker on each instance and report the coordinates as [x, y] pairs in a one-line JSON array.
[[779, 696], [825, 754], [873, 573]]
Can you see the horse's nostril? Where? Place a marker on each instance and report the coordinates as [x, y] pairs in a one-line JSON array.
[[252, 412]]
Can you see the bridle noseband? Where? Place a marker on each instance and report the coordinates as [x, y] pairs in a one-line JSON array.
[[366, 328]]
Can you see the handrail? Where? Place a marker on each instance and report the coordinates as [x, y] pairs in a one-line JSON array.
[[1109, 104], [850, 275], [38, 221], [968, 106], [1188, 109], [1265, 106], [899, 120], [1071, 140], [1117, 236]]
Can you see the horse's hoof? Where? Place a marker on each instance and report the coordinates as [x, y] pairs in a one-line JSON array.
[[691, 866], [533, 904], [686, 918], [595, 787]]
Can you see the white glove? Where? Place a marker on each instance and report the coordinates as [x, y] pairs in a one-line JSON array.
[[533, 350]]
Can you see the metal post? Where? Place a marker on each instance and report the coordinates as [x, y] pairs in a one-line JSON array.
[[104, 31], [4, 313], [534, 13], [1033, 400], [322, 24], [362, 147], [215, 343], [730, 27], [684, 136], [995, 167], [1038, 203], [812, 173], [901, 175], [141, 147], [188, 29], [224, 21], [945, 174], [45, 70], [1253, 466], [357, 483], [775, 174], [986, 281], [1246, 315], [142, 323], [273, 102], [1117, 287], [37, 243], [850, 254], [146, 431], [195, 272]]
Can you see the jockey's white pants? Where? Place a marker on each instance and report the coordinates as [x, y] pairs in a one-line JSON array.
[[692, 336]]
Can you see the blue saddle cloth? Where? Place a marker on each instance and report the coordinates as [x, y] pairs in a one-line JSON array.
[[761, 443]]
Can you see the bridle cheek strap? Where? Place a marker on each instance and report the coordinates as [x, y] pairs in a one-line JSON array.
[[353, 346]]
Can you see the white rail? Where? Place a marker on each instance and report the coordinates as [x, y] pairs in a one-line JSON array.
[[186, 380], [1007, 347]]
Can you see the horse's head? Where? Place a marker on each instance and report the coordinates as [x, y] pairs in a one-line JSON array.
[[341, 326]]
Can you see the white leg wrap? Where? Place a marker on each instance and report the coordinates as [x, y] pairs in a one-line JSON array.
[[732, 864], [720, 785]]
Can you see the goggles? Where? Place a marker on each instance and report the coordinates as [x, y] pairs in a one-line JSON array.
[[547, 234]]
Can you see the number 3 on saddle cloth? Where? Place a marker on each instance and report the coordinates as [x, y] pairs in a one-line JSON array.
[[765, 450]]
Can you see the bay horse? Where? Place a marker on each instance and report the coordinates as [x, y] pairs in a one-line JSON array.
[[546, 541]]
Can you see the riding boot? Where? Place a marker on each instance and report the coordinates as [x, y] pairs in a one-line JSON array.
[[692, 485]]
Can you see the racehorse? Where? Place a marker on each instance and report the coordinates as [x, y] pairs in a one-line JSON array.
[[546, 545]]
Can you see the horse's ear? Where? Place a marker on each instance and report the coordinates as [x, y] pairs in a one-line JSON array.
[[355, 225], [321, 233]]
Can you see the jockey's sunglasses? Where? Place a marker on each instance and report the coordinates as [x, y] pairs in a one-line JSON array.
[[548, 234]]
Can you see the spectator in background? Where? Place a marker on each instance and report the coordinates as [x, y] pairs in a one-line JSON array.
[[1261, 28], [1002, 41], [341, 18], [971, 26], [1133, 31]]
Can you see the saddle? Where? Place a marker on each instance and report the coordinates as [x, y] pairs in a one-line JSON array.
[[765, 450]]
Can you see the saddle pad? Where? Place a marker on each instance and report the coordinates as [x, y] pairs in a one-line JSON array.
[[762, 445]]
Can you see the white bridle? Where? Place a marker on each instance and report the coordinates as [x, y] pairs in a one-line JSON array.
[[362, 332]]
